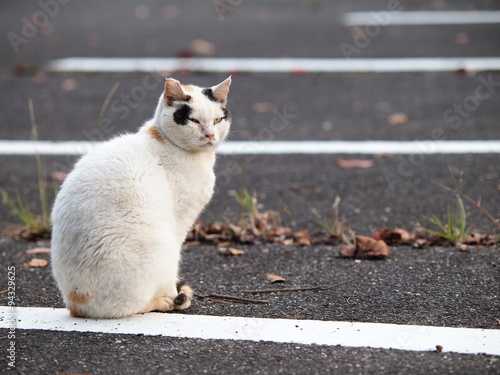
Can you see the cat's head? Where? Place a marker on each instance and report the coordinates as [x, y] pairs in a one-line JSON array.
[[192, 117]]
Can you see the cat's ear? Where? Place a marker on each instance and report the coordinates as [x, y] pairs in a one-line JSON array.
[[221, 90], [173, 91]]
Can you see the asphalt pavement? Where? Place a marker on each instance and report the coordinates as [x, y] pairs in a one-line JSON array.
[[436, 286]]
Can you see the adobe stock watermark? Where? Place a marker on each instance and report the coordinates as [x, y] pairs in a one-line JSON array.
[[120, 109], [279, 122], [31, 26], [11, 317], [453, 118], [363, 37], [223, 7], [123, 106]]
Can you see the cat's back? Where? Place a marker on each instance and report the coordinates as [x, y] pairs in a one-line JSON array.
[[115, 178], [113, 159]]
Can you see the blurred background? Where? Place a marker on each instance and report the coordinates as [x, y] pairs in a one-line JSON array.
[[321, 106]]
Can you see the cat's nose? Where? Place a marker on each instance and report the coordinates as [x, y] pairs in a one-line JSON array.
[[209, 135]]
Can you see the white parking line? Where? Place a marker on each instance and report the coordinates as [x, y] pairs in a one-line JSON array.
[[386, 18], [272, 65], [351, 334], [8, 147]]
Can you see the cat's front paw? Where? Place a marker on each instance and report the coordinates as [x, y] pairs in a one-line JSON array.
[[159, 304]]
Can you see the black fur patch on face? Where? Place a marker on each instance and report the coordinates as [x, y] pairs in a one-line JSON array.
[[181, 116], [227, 114], [210, 95]]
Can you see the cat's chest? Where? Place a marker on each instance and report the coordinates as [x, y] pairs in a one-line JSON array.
[[192, 181]]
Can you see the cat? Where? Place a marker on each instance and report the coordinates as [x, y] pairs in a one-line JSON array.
[[122, 214]]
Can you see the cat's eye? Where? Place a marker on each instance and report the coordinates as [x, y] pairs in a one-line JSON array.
[[194, 120], [217, 120]]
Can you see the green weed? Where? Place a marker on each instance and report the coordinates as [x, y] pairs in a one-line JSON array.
[[454, 227], [39, 225], [334, 226]]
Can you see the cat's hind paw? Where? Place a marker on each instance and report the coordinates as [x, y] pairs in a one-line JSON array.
[[183, 299]]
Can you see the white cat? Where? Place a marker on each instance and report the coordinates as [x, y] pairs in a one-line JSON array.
[[122, 214]]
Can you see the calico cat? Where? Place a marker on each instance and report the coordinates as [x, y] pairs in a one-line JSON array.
[[122, 214]]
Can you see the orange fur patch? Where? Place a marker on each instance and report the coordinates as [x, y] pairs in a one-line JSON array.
[[75, 312], [155, 133], [79, 298]]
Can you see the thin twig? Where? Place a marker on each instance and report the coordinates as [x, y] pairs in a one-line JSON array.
[[241, 299], [300, 313], [298, 289], [105, 104], [283, 290], [211, 299]]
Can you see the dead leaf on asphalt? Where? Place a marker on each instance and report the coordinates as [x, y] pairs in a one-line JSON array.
[[230, 251], [420, 243], [348, 250], [202, 47], [263, 107], [302, 238], [398, 118], [365, 248], [59, 176], [355, 163], [370, 248], [38, 250], [391, 236], [275, 278], [36, 262]]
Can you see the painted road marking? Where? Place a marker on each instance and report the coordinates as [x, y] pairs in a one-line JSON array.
[[272, 65], [351, 334], [387, 18], [8, 147]]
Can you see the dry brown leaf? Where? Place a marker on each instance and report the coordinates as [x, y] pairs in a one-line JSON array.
[[36, 262], [231, 251], [216, 228], [275, 278], [303, 241], [461, 38], [390, 236], [202, 47], [367, 247], [262, 107], [398, 118], [348, 250], [475, 238], [38, 250], [279, 231], [420, 243], [354, 163], [301, 233], [302, 238], [59, 176], [225, 244]]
